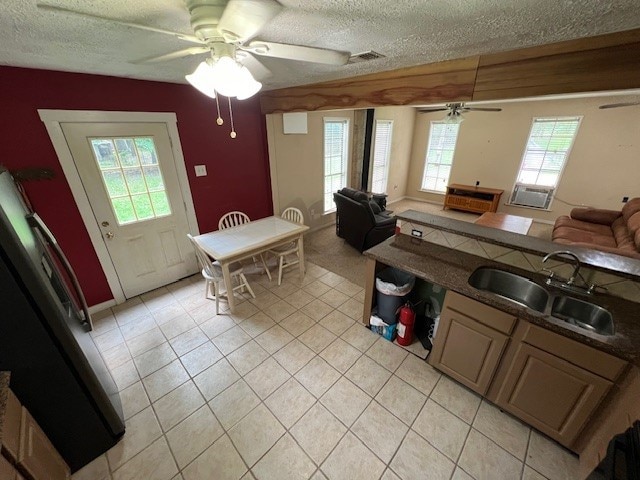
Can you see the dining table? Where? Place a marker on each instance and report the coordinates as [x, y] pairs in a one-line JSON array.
[[247, 240]]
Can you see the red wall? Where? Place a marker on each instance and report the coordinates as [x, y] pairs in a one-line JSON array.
[[238, 170]]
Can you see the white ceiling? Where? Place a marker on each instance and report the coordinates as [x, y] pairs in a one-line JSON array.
[[407, 32]]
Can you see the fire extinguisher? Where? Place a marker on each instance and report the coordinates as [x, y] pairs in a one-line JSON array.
[[405, 325]]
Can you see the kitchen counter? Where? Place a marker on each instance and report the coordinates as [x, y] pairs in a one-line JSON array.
[[602, 261], [451, 269], [4, 393]]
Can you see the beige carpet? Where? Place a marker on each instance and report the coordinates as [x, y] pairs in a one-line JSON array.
[[324, 248]]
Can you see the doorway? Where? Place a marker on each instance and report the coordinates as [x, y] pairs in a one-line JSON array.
[[134, 203]]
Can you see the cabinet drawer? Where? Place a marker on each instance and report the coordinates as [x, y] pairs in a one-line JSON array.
[[489, 316], [38, 457], [550, 393], [11, 428], [579, 354]]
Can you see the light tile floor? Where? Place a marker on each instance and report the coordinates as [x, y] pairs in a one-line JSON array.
[[291, 386]]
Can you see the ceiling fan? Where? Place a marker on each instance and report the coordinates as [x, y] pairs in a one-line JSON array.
[[227, 28], [455, 111], [616, 105]]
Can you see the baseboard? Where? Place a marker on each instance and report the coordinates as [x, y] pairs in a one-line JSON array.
[[102, 306], [415, 199], [391, 202]]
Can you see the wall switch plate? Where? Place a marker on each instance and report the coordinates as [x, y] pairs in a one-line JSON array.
[[416, 233], [201, 170]]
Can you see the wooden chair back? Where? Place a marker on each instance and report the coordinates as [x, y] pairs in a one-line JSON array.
[[204, 260], [232, 219], [294, 215]]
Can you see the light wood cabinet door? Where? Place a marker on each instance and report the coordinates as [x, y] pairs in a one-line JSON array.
[[37, 455], [550, 394], [467, 350]]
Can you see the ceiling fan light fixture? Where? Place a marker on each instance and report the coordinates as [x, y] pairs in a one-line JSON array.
[[454, 118], [203, 79], [232, 79]]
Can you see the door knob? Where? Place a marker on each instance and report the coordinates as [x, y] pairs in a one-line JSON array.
[[109, 235], [105, 224]]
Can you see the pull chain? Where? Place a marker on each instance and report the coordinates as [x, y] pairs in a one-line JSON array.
[[233, 132], [219, 120]]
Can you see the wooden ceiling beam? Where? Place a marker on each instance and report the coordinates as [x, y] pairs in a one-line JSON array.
[[605, 62]]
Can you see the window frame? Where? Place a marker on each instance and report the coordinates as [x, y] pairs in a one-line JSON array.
[[564, 164], [387, 155], [426, 159], [347, 157]]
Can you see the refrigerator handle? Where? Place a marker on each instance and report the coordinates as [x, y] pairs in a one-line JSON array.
[[36, 222]]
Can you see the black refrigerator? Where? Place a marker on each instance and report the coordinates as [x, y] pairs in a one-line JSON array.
[[56, 369]]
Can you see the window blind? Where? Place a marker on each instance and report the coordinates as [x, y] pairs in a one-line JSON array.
[[335, 158], [439, 159], [381, 156], [547, 150]]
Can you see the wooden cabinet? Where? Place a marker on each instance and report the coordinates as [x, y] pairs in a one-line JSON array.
[[27, 449], [472, 199], [38, 457], [551, 394], [470, 341], [553, 383], [549, 381]]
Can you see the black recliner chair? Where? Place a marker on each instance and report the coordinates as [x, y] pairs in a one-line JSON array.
[[358, 223]]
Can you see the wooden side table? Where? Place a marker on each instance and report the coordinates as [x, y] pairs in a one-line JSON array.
[[472, 199]]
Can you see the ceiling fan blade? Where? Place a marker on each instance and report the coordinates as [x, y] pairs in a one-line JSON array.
[[243, 19], [173, 55], [181, 36], [257, 69], [430, 110], [481, 109], [297, 52], [616, 105]]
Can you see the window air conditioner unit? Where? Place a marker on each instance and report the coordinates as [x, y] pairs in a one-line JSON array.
[[532, 196]]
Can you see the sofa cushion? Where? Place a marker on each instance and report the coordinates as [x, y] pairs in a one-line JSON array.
[[375, 208], [633, 224], [637, 240], [631, 208], [596, 228], [584, 236], [621, 234], [595, 215]]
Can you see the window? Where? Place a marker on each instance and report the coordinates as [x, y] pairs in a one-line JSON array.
[[442, 144], [547, 149], [336, 143], [132, 177], [381, 154]]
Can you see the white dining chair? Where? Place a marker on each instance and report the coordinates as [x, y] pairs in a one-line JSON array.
[[212, 272], [284, 253], [235, 218]]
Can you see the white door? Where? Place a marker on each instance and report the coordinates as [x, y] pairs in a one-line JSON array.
[[129, 174]]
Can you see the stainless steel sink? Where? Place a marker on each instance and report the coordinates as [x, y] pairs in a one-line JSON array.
[[583, 314], [529, 294], [510, 286]]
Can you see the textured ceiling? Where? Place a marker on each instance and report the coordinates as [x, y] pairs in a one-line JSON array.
[[407, 32]]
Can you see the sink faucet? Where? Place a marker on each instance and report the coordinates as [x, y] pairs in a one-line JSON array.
[[575, 262], [570, 283]]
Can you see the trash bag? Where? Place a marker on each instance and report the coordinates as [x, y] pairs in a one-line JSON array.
[[392, 286]]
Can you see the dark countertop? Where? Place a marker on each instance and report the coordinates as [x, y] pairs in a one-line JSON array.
[[607, 262], [4, 393], [451, 269]]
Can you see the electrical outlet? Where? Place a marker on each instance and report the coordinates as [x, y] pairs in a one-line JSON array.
[[625, 199], [312, 212], [477, 182], [416, 233], [201, 170]]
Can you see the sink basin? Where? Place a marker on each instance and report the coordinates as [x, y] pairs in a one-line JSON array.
[[583, 314], [510, 286]]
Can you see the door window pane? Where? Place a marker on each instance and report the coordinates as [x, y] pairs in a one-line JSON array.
[[132, 178], [336, 141]]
